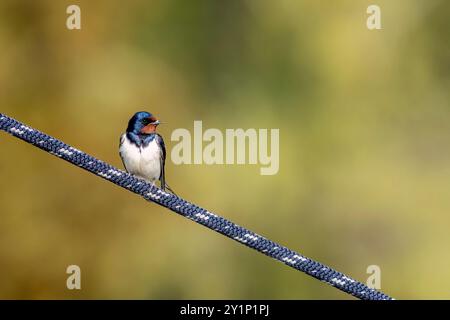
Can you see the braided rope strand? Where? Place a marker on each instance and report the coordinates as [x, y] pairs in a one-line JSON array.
[[189, 210]]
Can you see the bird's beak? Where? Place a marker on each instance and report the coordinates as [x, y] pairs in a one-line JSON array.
[[156, 122]]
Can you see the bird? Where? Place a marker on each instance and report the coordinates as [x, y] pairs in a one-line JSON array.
[[142, 150]]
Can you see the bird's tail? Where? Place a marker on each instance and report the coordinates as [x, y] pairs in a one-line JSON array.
[[169, 188]]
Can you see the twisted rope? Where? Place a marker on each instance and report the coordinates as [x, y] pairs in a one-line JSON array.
[[189, 210]]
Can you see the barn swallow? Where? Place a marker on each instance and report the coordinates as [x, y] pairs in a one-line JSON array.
[[142, 150]]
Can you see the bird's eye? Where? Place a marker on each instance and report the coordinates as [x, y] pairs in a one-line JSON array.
[[145, 121]]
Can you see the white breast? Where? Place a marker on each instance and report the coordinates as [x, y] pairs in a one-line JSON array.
[[142, 162]]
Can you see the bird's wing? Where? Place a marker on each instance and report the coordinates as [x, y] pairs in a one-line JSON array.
[[162, 178], [162, 147], [121, 140]]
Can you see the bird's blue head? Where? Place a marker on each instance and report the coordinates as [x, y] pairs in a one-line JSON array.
[[142, 123]]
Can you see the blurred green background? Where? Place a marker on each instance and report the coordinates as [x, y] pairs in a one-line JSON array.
[[364, 145]]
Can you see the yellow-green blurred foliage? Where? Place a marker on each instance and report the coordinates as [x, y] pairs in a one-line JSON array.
[[364, 145]]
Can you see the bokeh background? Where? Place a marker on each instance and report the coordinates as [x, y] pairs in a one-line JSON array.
[[364, 145]]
